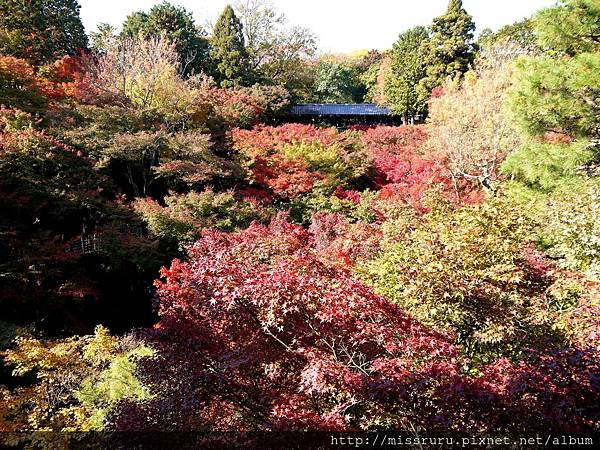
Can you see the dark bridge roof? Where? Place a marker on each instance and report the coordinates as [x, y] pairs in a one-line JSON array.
[[360, 109]]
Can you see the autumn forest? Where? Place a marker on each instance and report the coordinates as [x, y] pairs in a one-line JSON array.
[[177, 254]]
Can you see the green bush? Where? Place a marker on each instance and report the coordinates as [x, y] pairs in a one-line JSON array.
[[466, 269], [573, 231], [321, 199], [78, 381], [343, 163], [185, 216]]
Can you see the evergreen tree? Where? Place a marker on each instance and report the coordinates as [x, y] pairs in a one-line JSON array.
[[556, 102], [518, 34], [451, 49], [560, 91], [337, 83], [41, 31], [103, 34], [571, 28], [229, 50], [177, 25], [407, 69]]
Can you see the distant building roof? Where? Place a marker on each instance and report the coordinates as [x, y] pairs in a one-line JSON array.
[[359, 109]]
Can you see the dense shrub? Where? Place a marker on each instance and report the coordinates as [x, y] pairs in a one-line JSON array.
[[91, 128], [297, 156], [245, 107], [405, 169], [19, 86], [189, 161], [13, 120], [553, 390], [351, 204], [279, 341], [342, 243], [50, 196], [468, 269], [400, 289], [266, 139], [406, 136], [71, 79], [79, 381], [573, 231], [185, 216], [139, 150], [183, 159]]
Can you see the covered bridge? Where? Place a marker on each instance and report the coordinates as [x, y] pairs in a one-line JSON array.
[[341, 114]]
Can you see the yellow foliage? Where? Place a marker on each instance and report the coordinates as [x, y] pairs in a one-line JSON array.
[[102, 365]]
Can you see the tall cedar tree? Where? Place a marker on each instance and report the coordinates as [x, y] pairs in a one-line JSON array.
[[41, 31], [451, 49], [407, 70], [229, 50], [177, 25]]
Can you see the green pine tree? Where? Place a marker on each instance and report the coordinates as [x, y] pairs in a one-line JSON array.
[[177, 24], [41, 31], [560, 91], [229, 50], [557, 93], [571, 28], [407, 69], [556, 102], [451, 49]]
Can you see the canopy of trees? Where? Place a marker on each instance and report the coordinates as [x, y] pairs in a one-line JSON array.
[[41, 31], [407, 69]]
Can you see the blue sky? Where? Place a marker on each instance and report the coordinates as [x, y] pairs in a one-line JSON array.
[[340, 25]]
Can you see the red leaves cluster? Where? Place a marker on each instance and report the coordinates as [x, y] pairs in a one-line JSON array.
[[70, 77], [559, 389], [265, 325], [287, 178], [19, 68], [284, 177], [404, 173], [243, 106], [405, 170], [259, 322], [44, 145], [20, 88], [347, 194], [341, 244], [267, 140], [236, 107]]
